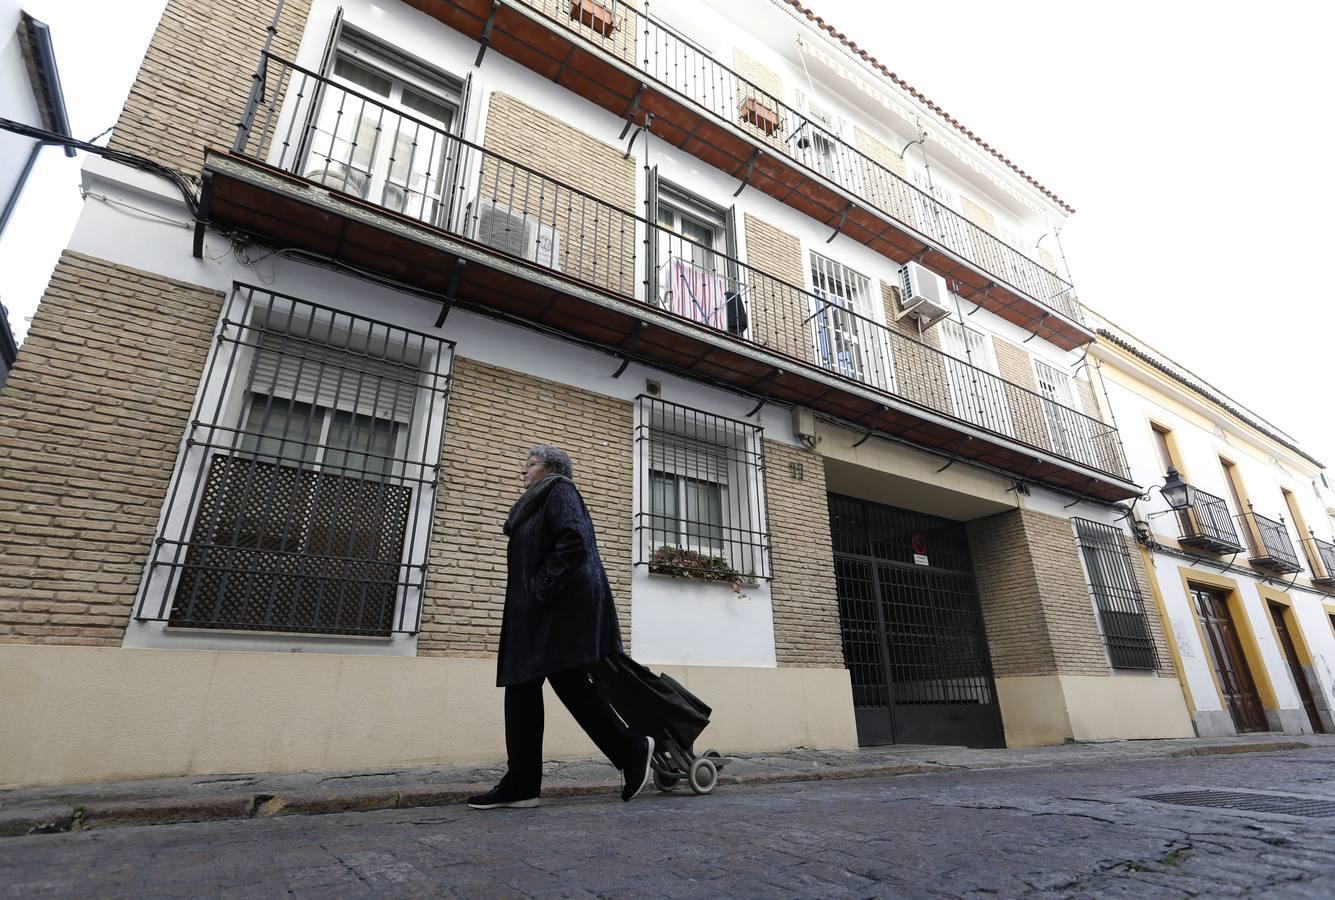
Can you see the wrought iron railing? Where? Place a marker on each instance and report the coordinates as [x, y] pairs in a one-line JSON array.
[[1321, 557], [1268, 542], [1117, 596], [302, 123], [1207, 523], [697, 77], [303, 498]]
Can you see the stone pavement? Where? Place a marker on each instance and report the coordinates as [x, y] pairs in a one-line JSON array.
[[245, 796], [1087, 828]]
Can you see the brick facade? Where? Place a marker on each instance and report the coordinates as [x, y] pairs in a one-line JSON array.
[[805, 600], [977, 215], [778, 316], [95, 410], [495, 415], [598, 245], [197, 73], [1035, 601], [1026, 408], [891, 195], [764, 78], [920, 371]]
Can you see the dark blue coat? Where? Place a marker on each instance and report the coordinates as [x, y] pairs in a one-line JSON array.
[[558, 604]]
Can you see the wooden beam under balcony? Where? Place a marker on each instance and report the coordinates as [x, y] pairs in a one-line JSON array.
[[601, 66], [291, 212]]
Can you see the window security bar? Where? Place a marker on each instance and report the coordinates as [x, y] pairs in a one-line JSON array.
[[1268, 543], [1207, 524], [1112, 585], [701, 494], [676, 63], [466, 190], [303, 498]]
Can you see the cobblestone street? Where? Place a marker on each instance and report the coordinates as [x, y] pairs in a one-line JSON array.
[[1064, 830]]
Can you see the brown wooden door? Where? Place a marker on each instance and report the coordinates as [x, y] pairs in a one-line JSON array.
[[1296, 667], [1235, 679]]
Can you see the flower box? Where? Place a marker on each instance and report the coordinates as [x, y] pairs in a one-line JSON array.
[[593, 15], [761, 116], [679, 562]]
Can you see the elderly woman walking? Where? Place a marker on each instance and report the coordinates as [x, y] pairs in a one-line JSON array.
[[559, 620]]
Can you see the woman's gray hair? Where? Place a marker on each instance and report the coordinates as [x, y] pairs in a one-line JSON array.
[[553, 459]]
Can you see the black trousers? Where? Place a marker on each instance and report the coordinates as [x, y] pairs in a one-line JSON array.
[[524, 726]]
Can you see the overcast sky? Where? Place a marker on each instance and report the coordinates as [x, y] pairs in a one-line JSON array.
[[1194, 138]]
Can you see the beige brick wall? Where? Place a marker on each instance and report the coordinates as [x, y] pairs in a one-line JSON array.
[[805, 600], [1035, 600], [768, 81], [890, 195], [778, 314], [495, 415], [94, 412], [977, 215], [1027, 417], [920, 371], [192, 87], [597, 244]]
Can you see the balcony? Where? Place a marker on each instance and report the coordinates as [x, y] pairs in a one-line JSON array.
[[441, 215], [1321, 558], [1268, 543], [1207, 525], [611, 54]]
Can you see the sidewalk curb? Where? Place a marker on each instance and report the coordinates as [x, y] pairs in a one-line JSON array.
[[58, 819]]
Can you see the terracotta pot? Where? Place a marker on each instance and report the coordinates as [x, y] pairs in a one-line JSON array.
[[593, 15], [755, 113]]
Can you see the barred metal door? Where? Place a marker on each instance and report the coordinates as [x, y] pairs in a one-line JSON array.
[[912, 628]]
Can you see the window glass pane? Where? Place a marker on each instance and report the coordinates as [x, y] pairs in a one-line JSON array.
[[663, 509], [703, 519], [360, 446], [366, 79], [427, 107], [282, 430]]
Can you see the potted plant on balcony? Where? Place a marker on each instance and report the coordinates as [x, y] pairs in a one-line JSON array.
[[595, 15], [678, 562], [753, 112]]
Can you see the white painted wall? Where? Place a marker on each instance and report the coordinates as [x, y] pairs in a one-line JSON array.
[[17, 102]]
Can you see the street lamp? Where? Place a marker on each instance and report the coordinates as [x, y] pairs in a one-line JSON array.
[[1178, 494]]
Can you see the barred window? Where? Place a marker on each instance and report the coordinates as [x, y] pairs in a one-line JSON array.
[[1112, 584], [304, 496], [701, 487]]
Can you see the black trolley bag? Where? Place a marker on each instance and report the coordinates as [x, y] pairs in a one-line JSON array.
[[658, 706]]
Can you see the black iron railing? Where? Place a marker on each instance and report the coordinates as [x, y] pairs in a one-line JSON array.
[[349, 142], [303, 498], [1207, 523], [694, 75], [1321, 556], [1268, 542], [1117, 596]]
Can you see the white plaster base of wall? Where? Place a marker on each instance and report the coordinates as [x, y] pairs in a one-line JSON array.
[[84, 714], [1039, 710]]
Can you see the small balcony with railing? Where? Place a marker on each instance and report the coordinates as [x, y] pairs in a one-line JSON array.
[[1206, 524], [1268, 543], [1320, 559], [614, 55], [331, 174]]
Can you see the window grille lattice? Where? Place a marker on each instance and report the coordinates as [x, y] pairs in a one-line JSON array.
[[1120, 606], [701, 486], [303, 498]]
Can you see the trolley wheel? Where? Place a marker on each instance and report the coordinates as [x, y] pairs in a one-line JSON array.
[[665, 783], [712, 754], [703, 775]]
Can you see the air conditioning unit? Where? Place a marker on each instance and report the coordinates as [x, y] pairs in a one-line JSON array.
[[516, 233], [923, 295]]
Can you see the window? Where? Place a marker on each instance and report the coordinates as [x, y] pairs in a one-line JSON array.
[[976, 393], [847, 340], [1117, 599], [692, 256], [1235, 490], [380, 129], [700, 493], [818, 143], [1162, 437], [1068, 430], [303, 499]]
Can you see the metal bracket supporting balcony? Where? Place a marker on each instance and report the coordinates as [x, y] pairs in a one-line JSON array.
[[201, 221], [1041, 319], [486, 32], [632, 110], [843, 218], [976, 304], [774, 375], [750, 170], [451, 292], [1083, 494], [871, 429], [648, 124], [629, 348], [955, 454]]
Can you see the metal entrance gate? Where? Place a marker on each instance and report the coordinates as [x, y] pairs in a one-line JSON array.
[[912, 628]]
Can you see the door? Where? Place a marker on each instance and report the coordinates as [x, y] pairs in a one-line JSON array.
[[1068, 429], [1235, 678], [976, 394], [912, 628], [1295, 666]]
